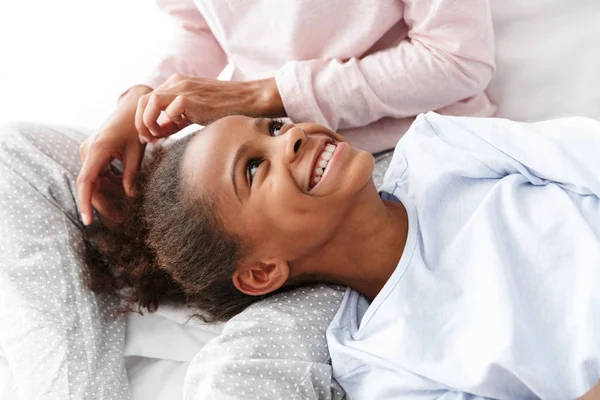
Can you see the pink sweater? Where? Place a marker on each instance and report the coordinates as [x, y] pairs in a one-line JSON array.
[[364, 68]]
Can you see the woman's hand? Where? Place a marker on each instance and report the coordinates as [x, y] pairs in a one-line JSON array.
[[97, 185], [186, 100]]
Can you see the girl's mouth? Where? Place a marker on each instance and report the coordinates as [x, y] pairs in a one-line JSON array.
[[321, 165]]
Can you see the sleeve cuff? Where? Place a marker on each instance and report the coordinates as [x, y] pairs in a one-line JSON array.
[[299, 105]]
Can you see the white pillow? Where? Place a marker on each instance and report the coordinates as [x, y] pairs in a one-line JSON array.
[[165, 335], [547, 57], [5, 378]]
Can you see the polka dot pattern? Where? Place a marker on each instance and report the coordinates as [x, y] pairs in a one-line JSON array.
[[57, 336], [275, 349], [382, 162]]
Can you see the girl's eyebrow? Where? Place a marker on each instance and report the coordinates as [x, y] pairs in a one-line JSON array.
[[238, 156], [258, 123]]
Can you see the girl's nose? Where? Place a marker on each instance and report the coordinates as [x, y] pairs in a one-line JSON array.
[[295, 138]]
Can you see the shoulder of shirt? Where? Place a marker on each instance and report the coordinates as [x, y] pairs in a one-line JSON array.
[[422, 127], [343, 316], [425, 125]]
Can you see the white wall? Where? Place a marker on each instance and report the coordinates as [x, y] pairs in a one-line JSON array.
[[66, 61]]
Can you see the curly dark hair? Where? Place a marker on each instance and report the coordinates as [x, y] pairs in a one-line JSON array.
[[171, 247]]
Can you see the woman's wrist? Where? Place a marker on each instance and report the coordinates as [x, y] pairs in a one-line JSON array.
[[266, 99], [123, 117], [133, 94]]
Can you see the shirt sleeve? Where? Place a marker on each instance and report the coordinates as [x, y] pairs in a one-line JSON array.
[[562, 151], [448, 56], [193, 49]]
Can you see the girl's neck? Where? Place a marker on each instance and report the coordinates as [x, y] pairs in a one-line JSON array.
[[380, 252], [367, 248]]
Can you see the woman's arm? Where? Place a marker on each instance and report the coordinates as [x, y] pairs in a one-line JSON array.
[[448, 56]]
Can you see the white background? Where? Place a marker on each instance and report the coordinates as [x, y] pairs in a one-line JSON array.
[[67, 61]]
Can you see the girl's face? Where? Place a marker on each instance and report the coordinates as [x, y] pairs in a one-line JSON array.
[[286, 189]]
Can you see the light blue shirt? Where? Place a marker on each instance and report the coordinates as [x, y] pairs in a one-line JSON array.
[[497, 293]]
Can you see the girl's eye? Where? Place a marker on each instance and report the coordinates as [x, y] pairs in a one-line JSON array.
[[275, 127], [252, 168]]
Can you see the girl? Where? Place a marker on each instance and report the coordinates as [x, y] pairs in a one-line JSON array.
[[472, 273]]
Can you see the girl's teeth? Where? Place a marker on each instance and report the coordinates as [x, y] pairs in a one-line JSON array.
[[322, 163]]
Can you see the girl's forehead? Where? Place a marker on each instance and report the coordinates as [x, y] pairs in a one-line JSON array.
[[217, 137], [230, 124], [206, 159], [204, 152]]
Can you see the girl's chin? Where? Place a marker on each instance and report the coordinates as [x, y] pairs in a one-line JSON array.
[[349, 176], [365, 167]]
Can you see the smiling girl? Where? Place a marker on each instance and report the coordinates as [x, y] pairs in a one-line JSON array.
[[472, 274]]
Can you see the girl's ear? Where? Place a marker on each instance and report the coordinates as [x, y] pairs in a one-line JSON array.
[[256, 279]]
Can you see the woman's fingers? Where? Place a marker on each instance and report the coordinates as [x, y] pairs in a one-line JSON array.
[[156, 103], [95, 176], [83, 150], [176, 110], [95, 161], [107, 198], [143, 132], [169, 128], [147, 113], [149, 122], [133, 160]]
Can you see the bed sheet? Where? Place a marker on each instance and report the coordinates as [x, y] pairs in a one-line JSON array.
[[149, 378], [158, 350], [4, 376]]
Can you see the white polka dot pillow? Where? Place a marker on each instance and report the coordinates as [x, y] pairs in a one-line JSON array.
[[275, 349]]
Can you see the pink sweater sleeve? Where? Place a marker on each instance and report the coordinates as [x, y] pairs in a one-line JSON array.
[[448, 56], [192, 51]]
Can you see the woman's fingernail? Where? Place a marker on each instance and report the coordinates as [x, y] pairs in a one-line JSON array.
[[85, 219]]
